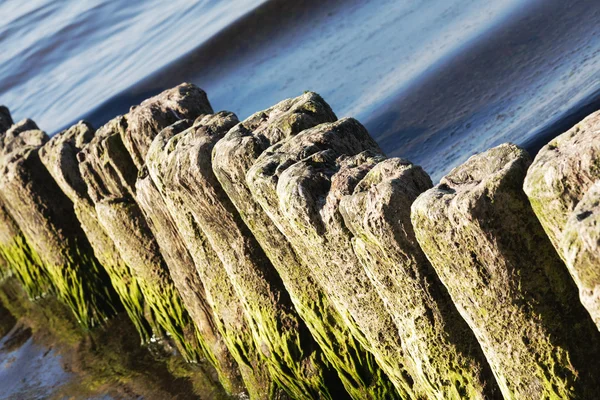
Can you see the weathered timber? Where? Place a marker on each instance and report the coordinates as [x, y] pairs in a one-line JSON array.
[[50, 229], [145, 121], [563, 173], [186, 279], [59, 155], [232, 158], [164, 166], [110, 176], [16, 254], [481, 235], [581, 249], [19, 258], [450, 362], [291, 181], [292, 356]]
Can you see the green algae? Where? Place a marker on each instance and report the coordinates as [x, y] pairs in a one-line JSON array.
[[53, 315], [291, 182], [393, 368], [187, 281], [46, 219], [130, 293], [59, 156], [82, 284], [228, 311], [356, 368], [5, 271], [27, 266], [110, 174], [299, 380], [125, 224], [125, 284], [172, 317]]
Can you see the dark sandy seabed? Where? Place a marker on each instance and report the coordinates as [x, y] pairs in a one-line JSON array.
[[433, 81]]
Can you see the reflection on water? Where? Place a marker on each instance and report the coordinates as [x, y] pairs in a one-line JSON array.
[[29, 371], [46, 355]]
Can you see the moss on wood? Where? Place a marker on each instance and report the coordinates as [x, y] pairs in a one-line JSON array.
[[481, 235], [46, 218], [229, 314], [291, 181], [232, 157], [109, 173]]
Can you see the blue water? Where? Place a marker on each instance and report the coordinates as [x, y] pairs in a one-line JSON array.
[[60, 59], [433, 80], [28, 370]]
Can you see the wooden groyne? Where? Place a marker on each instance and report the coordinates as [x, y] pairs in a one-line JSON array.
[[287, 254]]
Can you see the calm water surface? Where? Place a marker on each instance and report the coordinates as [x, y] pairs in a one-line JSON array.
[[433, 80], [28, 370]]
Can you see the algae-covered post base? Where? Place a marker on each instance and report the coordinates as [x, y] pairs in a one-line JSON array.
[[229, 316], [127, 227], [232, 157], [293, 358], [188, 283], [107, 361], [434, 335], [562, 187], [125, 283], [48, 223], [59, 155], [144, 123], [291, 181], [479, 232], [110, 176], [20, 259], [16, 254]]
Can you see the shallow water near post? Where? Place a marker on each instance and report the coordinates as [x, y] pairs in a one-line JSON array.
[[433, 81], [28, 369]]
